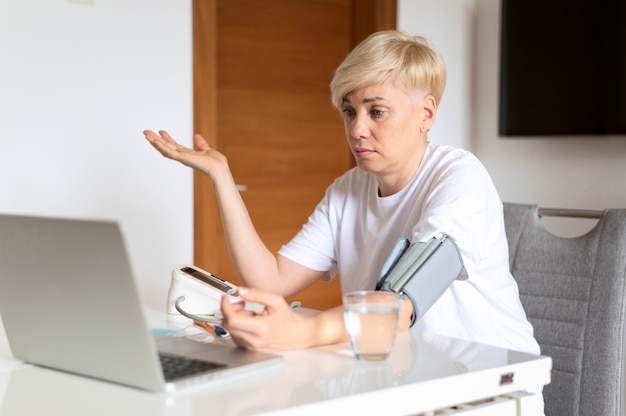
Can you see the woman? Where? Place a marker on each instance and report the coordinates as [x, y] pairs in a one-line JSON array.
[[387, 91]]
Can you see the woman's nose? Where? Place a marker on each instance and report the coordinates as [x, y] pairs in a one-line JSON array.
[[358, 128]]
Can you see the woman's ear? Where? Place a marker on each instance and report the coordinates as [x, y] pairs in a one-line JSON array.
[[429, 110]]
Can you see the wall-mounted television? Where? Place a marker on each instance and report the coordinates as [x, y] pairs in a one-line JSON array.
[[562, 68]]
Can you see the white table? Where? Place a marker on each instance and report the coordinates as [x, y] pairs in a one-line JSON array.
[[424, 373]]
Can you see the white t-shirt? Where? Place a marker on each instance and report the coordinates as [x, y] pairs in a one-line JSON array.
[[352, 230]]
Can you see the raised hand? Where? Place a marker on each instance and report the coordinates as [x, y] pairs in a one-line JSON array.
[[202, 158]]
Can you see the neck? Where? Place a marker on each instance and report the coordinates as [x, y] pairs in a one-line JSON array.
[[391, 183]]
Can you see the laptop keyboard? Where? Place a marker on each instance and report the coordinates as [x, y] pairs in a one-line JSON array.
[[176, 366]]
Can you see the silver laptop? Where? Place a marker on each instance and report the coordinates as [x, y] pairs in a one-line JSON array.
[[69, 302]]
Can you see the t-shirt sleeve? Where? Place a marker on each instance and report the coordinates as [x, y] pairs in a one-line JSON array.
[[463, 203]]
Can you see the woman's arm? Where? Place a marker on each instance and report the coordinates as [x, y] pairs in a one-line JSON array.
[[255, 264], [279, 328]]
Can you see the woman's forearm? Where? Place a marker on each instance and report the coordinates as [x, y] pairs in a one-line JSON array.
[[253, 261]]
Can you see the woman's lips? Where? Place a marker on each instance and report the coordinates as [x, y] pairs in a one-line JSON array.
[[361, 152]]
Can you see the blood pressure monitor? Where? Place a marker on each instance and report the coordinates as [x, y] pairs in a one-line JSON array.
[[194, 291]]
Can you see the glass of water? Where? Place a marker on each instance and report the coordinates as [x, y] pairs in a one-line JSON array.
[[371, 319]]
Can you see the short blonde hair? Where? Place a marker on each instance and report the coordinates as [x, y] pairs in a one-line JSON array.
[[410, 62]]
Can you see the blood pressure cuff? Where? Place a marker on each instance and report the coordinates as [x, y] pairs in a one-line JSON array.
[[421, 271]]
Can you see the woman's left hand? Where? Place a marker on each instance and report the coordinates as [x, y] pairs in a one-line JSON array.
[[276, 328]]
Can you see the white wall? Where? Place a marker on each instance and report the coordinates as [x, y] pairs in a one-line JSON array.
[[570, 172], [78, 84], [574, 172], [448, 24]]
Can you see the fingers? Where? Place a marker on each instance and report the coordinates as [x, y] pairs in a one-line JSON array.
[[201, 157], [262, 331], [241, 324], [161, 137], [166, 135], [200, 143], [163, 142], [270, 300], [229, 308], [151, 136]]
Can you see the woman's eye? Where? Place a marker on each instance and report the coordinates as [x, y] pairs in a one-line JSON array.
[[377, 113], [348, 112]]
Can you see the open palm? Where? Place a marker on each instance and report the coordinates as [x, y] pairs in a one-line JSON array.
[[202, 157]]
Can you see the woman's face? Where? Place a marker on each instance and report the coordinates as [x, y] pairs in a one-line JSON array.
[[386, 130]]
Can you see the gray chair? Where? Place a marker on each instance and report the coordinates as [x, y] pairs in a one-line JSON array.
[[574, 293]]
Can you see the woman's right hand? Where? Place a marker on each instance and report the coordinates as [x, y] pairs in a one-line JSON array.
[[202, 158]]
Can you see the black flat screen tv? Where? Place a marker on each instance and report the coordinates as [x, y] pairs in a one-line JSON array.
[[562, 68]]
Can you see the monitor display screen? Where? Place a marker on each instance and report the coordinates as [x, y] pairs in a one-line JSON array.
[[562, 68]]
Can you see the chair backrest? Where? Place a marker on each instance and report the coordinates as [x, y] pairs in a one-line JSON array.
[[573, 291]]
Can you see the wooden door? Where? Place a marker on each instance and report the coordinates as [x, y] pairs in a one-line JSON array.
[[261, 90]]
